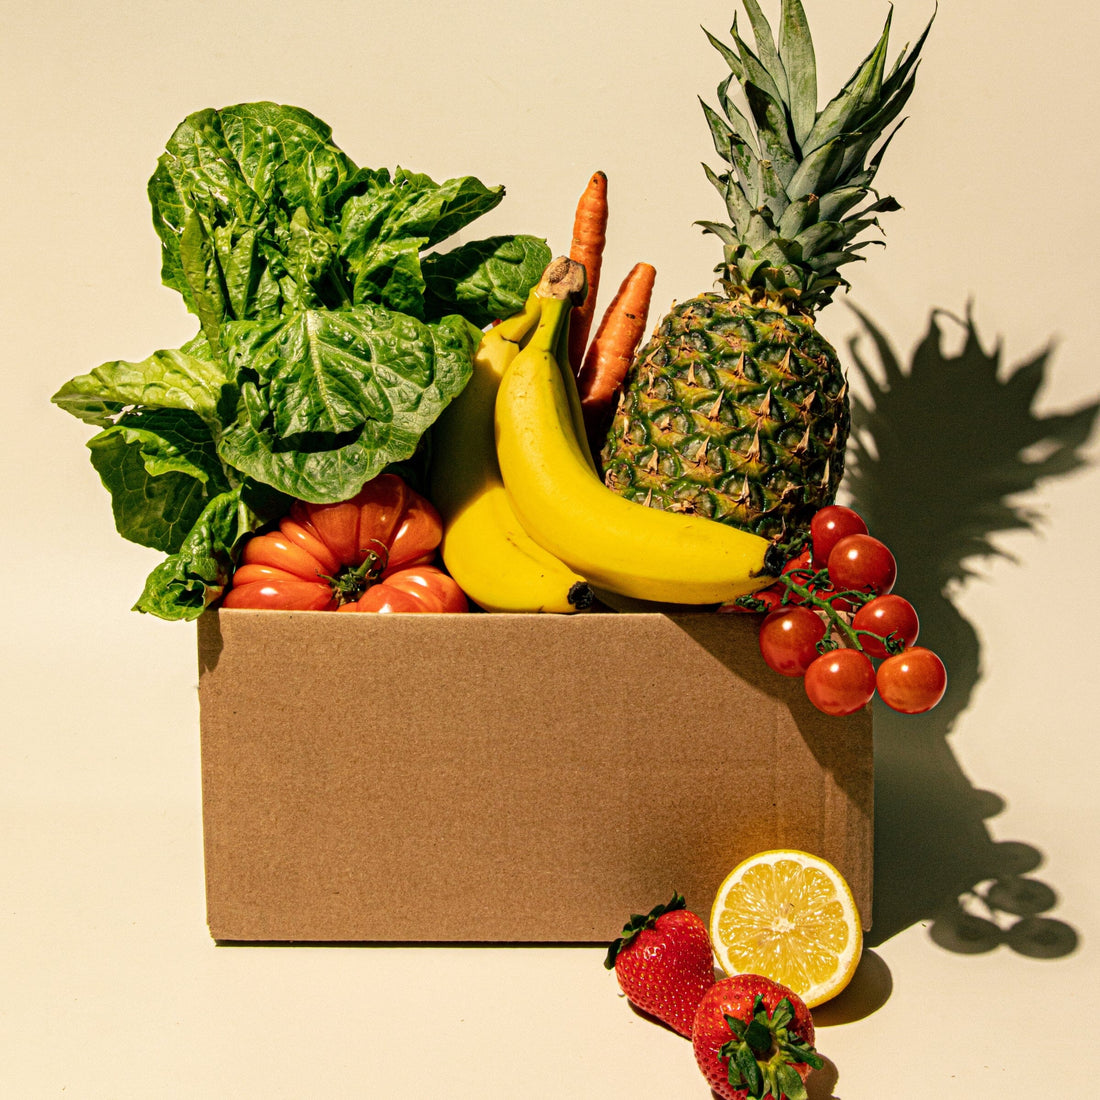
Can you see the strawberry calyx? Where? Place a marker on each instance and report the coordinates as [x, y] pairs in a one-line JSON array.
[[638, 923], [763, 1053]]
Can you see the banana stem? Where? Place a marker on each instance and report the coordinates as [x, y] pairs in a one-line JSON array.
[[563, 279]]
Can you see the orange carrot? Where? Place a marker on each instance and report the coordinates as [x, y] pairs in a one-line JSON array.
[[612, 350], [589, 237]]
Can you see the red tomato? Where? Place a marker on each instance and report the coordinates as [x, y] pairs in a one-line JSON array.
[[912, 682], [801, 565], [883, 616], [862, 562], [370, 553], [788, 639], [828, 526], [840, 681], [767, 599], [415, 588]]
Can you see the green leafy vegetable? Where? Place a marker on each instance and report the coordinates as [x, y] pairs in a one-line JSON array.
[[483, 280], [329, 338], [328, 399], [161, 468], [190, 579]]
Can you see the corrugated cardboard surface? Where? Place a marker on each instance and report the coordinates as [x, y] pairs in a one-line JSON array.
[[505, 777]]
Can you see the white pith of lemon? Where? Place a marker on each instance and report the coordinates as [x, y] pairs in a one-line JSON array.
[[791, 917]]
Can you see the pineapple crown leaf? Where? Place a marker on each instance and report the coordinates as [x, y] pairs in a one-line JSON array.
[[796, 50], [754, 70], [797, 178], [862, 93]]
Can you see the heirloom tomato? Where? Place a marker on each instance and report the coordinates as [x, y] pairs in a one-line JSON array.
[[373, 552]]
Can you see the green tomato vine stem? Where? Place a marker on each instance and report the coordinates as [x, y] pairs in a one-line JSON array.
[[806, 584]]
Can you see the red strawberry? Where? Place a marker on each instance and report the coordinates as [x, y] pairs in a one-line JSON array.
[[754, 1038], [664, 963]]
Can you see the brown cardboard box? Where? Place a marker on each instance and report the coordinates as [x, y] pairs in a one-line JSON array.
[[505, 777]]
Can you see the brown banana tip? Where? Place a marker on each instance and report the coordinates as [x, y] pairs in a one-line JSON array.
[[564, 278]]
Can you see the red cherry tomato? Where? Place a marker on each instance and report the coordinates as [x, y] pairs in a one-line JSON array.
[[828, 526], [767, 599], [862, 562], [800, 561], [912, 682], [841, 681], [883, 616], [800, 565], [788, 639]]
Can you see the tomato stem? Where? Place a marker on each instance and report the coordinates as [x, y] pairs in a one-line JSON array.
[[807, 592], [352, 581]]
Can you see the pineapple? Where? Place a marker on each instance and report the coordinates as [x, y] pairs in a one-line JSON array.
[[737, 407]]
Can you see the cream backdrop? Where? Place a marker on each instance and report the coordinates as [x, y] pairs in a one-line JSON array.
[[111, 988]]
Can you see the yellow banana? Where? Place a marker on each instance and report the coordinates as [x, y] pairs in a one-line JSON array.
[[485, 547], [621, 546]]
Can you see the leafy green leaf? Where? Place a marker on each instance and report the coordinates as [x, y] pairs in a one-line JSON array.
[[329, 340], [189, 580], [161, 469], [384, 225], [224, 194], [484, 280], [329, 398], [177, 379]]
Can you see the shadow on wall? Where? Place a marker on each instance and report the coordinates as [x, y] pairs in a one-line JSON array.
[[941, 454]]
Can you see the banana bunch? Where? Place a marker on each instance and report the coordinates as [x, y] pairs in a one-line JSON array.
[[619, 546], [485, 547], [528, 525]]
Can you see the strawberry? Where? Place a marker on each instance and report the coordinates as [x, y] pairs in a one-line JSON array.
[[754, 1038], [664, 963]]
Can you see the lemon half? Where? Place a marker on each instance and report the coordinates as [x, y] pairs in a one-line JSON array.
[[791, 917]]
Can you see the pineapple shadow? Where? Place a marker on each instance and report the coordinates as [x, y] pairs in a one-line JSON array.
[[935, 489]]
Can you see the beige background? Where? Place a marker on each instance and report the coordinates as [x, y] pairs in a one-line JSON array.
[[109, 986]]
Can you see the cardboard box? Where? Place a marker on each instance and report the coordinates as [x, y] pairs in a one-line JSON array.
[[506, 778]]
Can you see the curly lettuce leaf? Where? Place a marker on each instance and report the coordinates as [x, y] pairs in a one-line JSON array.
[[236, 194], [259, 214], [484, 280], [189, 580], [386, 223], [330, 398]]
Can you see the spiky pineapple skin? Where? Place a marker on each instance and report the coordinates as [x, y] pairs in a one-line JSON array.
[[736, 409]]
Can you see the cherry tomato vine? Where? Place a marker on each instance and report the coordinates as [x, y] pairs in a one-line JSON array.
[[832, 614]]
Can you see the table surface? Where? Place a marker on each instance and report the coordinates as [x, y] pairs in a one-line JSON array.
[[986, 914]]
